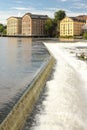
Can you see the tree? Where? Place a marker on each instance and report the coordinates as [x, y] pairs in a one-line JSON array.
[[58, 16], [2, 29], [50, 27], [85, 35]]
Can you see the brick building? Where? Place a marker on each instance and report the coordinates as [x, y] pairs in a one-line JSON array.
[[14, 25], [33, 25], [82, 17], [71, 26]]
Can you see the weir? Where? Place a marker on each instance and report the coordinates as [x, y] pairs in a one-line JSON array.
[[64, 106], [16, 118], [25, 65]]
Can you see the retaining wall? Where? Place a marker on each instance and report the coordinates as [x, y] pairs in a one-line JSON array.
[[17, 117]]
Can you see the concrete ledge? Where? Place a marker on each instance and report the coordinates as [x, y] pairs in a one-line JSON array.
[[17, 117]]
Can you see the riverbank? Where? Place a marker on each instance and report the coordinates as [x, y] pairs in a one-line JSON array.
[[17, 116]]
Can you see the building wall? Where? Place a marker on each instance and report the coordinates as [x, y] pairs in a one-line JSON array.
[[29, 25], [13, 26], [69, 27], [38, 26], [66, 27], [33, 26], [18, 115], [26, 25], [78, 28], [82, 17]]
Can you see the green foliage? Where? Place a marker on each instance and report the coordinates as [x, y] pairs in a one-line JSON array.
[[82, 56], [52, 26], [66, 37], [49, 24], [85, 35], [2, 29], [59, 15]]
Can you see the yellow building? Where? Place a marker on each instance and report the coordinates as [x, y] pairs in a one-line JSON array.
[[71, 26], [33, 25], [14, 25]]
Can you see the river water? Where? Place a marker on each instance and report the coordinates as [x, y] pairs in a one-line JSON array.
[[20, 60], [63, 103]]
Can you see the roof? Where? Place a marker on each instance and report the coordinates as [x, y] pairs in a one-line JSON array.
[[75, 19], [78, 20], [82, 17], [15, 17], [36, 16]]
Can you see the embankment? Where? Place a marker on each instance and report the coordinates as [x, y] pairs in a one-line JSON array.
[[16, 118]]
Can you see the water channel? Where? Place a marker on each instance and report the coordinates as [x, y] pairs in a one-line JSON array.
[[20, 61], [63, 102]]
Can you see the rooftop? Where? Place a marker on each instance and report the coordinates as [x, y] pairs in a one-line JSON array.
[[36, 16], [78, 20]]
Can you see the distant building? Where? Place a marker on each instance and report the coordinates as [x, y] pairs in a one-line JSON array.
[[71, 26], [84, 27], [14, 25], [82, 17], [34, 25]]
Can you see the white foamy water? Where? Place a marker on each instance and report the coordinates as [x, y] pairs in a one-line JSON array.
[[66, 103]]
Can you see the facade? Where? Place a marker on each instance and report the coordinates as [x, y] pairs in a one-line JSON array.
[[14, 25], [71, 26], [82, 17], [84, 27], [33, 25]]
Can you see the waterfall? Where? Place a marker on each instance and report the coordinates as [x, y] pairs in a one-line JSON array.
[[65, 106]]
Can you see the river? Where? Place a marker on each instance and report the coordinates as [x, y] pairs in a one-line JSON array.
[[20, 61]]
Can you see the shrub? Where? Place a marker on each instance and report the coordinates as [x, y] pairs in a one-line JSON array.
[[85, 35]]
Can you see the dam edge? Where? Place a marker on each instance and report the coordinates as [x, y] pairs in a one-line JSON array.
[[18, 115]]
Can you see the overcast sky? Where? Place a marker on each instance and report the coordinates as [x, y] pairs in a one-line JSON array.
[[20, 7]]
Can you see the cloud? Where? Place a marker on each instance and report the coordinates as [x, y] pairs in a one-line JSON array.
[[21, 10], [74, 13], [4, 15], [63, 0], [46, 11], [80, 5], [18, 1], [50, 9]]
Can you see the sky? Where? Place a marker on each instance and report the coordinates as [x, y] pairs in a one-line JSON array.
[[18, 8]]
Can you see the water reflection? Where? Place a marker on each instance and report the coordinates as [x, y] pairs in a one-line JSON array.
[[20, 58], [19, 50]]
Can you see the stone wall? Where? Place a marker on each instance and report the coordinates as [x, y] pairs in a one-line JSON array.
[[17, 117]]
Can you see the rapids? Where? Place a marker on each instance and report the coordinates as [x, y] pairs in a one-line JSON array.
[[65, 106]]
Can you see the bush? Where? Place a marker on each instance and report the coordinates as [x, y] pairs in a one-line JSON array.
[[2, 29], [66, 36], [85, 35]]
